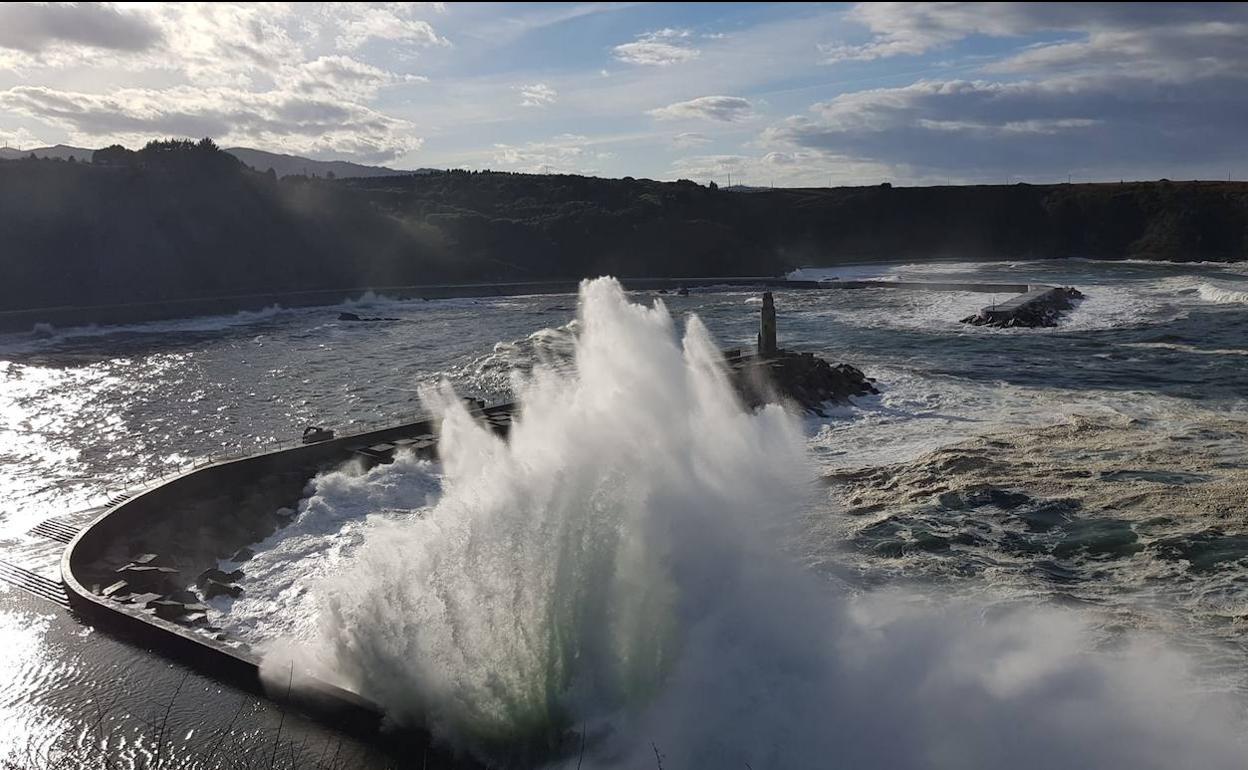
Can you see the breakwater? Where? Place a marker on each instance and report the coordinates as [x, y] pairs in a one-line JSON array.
[[25, 320]]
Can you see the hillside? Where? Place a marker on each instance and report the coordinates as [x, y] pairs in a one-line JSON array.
[[55, 152], [295, 165], [180, 220], [282, 165]]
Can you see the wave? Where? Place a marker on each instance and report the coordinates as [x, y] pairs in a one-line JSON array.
[[614, 574], [1222, 295]]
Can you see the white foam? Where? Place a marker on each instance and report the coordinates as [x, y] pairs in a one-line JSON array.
[[615, 569], [1222, 295]]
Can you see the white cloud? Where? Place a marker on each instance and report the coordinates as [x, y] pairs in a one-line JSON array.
[[274, 119], [265, 89], [537, 95], [689, 139], [915, 28], [20, 138], [358, 23], [658, 49], [725, 109], [563, 154], [794, 168], [343, 77]]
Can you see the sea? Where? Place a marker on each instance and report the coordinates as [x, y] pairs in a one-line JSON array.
[[1030, 548]]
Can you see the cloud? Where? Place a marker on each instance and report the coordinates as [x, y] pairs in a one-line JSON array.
[[688, 139], [276, 120], [537, 95], [343, 77], [220, 43], [358, 23], [35, 27], [18, 138], [265, 90], [658, 49], [711, 166], [1099, 126], [1173, 53], [793, 168], [563, 154], [726, 109], [915, 28]]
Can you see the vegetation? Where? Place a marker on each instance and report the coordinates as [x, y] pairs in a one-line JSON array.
[[181, 219]]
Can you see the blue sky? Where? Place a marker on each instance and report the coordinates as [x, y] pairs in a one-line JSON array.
[[784, 94]]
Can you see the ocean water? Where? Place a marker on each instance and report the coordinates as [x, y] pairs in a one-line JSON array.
[[1026, 527]]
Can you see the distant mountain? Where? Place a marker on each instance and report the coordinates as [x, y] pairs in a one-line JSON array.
[[57, 151], [283, 165], [294, 165]]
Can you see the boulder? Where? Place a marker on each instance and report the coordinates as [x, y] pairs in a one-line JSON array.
[[146, 577], [220, 576], [215, 588], [116, 589], [184, 596], [802, 378], [168, 609]]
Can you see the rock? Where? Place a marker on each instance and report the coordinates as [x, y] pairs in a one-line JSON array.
[[314, 434], [168, 609], [184, 596], [116, 589], [805, 379], [146, 577], [142, 600], [220, 576], [242, 555], [215, 588], [354, 317]]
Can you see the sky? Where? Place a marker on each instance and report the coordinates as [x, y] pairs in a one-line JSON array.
[[771, 93]]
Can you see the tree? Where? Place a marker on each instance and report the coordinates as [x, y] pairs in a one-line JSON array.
[[113, 155]]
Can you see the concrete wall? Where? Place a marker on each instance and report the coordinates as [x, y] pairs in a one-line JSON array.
[[140, 512]]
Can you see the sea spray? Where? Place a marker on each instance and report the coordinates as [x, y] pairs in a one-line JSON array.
[[550, 583], [615, 568]]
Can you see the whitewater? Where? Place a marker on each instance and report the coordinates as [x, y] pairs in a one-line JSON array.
[[617, 570], [1028, 550]]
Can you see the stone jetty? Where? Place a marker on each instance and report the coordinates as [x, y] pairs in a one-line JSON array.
[[1039, 306]]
